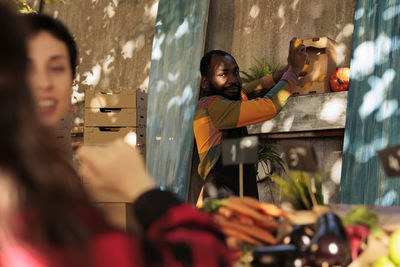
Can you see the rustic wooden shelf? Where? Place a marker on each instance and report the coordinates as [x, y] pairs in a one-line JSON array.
[[303, 134], [308, 113]]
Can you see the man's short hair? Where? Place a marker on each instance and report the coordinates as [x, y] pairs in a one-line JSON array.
[[206, 60]]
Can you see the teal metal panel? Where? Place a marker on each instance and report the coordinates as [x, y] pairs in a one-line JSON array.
[[173, 91], [372, 119]]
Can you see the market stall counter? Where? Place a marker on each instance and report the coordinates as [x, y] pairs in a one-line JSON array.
[[263, 234]]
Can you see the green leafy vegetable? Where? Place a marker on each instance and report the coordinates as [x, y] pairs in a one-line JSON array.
[[258, 70], [211, 205], [294, 188], [361, 215]]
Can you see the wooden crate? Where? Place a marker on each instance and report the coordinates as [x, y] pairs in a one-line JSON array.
[[106, 135], [109, 116], [120, 99]]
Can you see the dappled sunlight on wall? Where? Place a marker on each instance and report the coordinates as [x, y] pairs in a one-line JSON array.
[[281, 16], [335, 171], [92, 77], [130, 46], [332, 110], [110, 10], [258, 28], [294, 4], [343, 49], [254, 11], [114, 38]]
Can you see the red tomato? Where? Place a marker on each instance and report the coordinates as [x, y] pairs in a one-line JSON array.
[[339, 80]]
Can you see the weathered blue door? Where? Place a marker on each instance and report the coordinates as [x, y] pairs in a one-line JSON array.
[[173, 91], [373, 114]]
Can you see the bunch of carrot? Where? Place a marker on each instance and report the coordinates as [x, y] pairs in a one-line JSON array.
[[245, 220]]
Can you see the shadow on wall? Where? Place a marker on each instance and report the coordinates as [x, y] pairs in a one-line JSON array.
[[307, 19], [259, 28], [221, 22], [114, 40]]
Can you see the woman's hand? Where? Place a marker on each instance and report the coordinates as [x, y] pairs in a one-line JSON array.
[[118, 168]]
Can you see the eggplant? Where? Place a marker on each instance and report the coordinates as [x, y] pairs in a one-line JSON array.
[[330, 244], [274, 256], [301, 237]]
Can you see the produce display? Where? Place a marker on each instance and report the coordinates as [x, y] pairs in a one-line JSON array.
[[392, 259], [394, 247], [330, 245], [255, 230], [262, 234], [298, 42], [339, 80], [295, 188], [359, 223], [246, 222]]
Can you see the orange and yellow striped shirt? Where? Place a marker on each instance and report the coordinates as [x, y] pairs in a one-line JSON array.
[[215, 114]]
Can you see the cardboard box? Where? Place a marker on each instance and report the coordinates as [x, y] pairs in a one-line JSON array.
[[104, 135], [113, 117], [322, 54], [120, 99]]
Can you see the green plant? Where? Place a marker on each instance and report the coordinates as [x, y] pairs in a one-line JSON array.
[[268, 159], [24, 7], [296, 187], [258, 70]]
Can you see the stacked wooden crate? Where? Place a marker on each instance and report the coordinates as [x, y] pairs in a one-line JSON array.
[[109, 116]]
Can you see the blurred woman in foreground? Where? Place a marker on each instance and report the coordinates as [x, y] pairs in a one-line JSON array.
[[52, 55], [45, 217]]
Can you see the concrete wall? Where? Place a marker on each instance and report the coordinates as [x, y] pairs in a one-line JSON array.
[[115, 41], [263, 28]]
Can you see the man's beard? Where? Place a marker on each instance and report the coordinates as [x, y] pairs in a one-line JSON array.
[[227, 92]]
